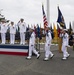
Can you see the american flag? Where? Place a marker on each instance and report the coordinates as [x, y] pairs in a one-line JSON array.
[[44, 18]]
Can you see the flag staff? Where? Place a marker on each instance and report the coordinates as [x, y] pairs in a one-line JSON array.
[[73, 35], [48, 13]]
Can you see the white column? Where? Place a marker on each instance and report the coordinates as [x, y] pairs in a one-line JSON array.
[[48, 13]]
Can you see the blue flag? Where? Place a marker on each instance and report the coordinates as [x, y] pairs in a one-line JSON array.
[[60, 19]]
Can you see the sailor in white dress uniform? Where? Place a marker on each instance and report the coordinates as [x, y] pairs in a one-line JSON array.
[[48, 53], [12, 32], [22, 30], [32, 45], [3, 32], [65, 41]]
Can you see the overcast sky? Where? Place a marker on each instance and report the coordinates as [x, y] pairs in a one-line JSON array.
[[31, 10]]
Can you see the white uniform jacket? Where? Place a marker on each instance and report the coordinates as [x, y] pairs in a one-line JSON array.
[[65, 39], [32, 39], [22, 27], [3, 28], [12, 29], [48, 38]]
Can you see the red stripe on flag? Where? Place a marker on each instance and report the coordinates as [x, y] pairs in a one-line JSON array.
[[44, 18]]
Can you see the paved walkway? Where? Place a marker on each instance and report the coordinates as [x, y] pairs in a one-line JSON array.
[[18, 65]]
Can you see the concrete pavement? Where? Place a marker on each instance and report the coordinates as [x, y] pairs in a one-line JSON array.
[[18, 65]]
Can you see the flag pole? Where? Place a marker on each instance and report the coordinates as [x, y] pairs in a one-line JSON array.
[[73, 26], [48, 13], [73, 35]]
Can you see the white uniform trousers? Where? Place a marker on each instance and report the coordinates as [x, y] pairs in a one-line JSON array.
[[22, 38], [12, 38], [32, 49], [3, 38], [47, 51], [64, 50]]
